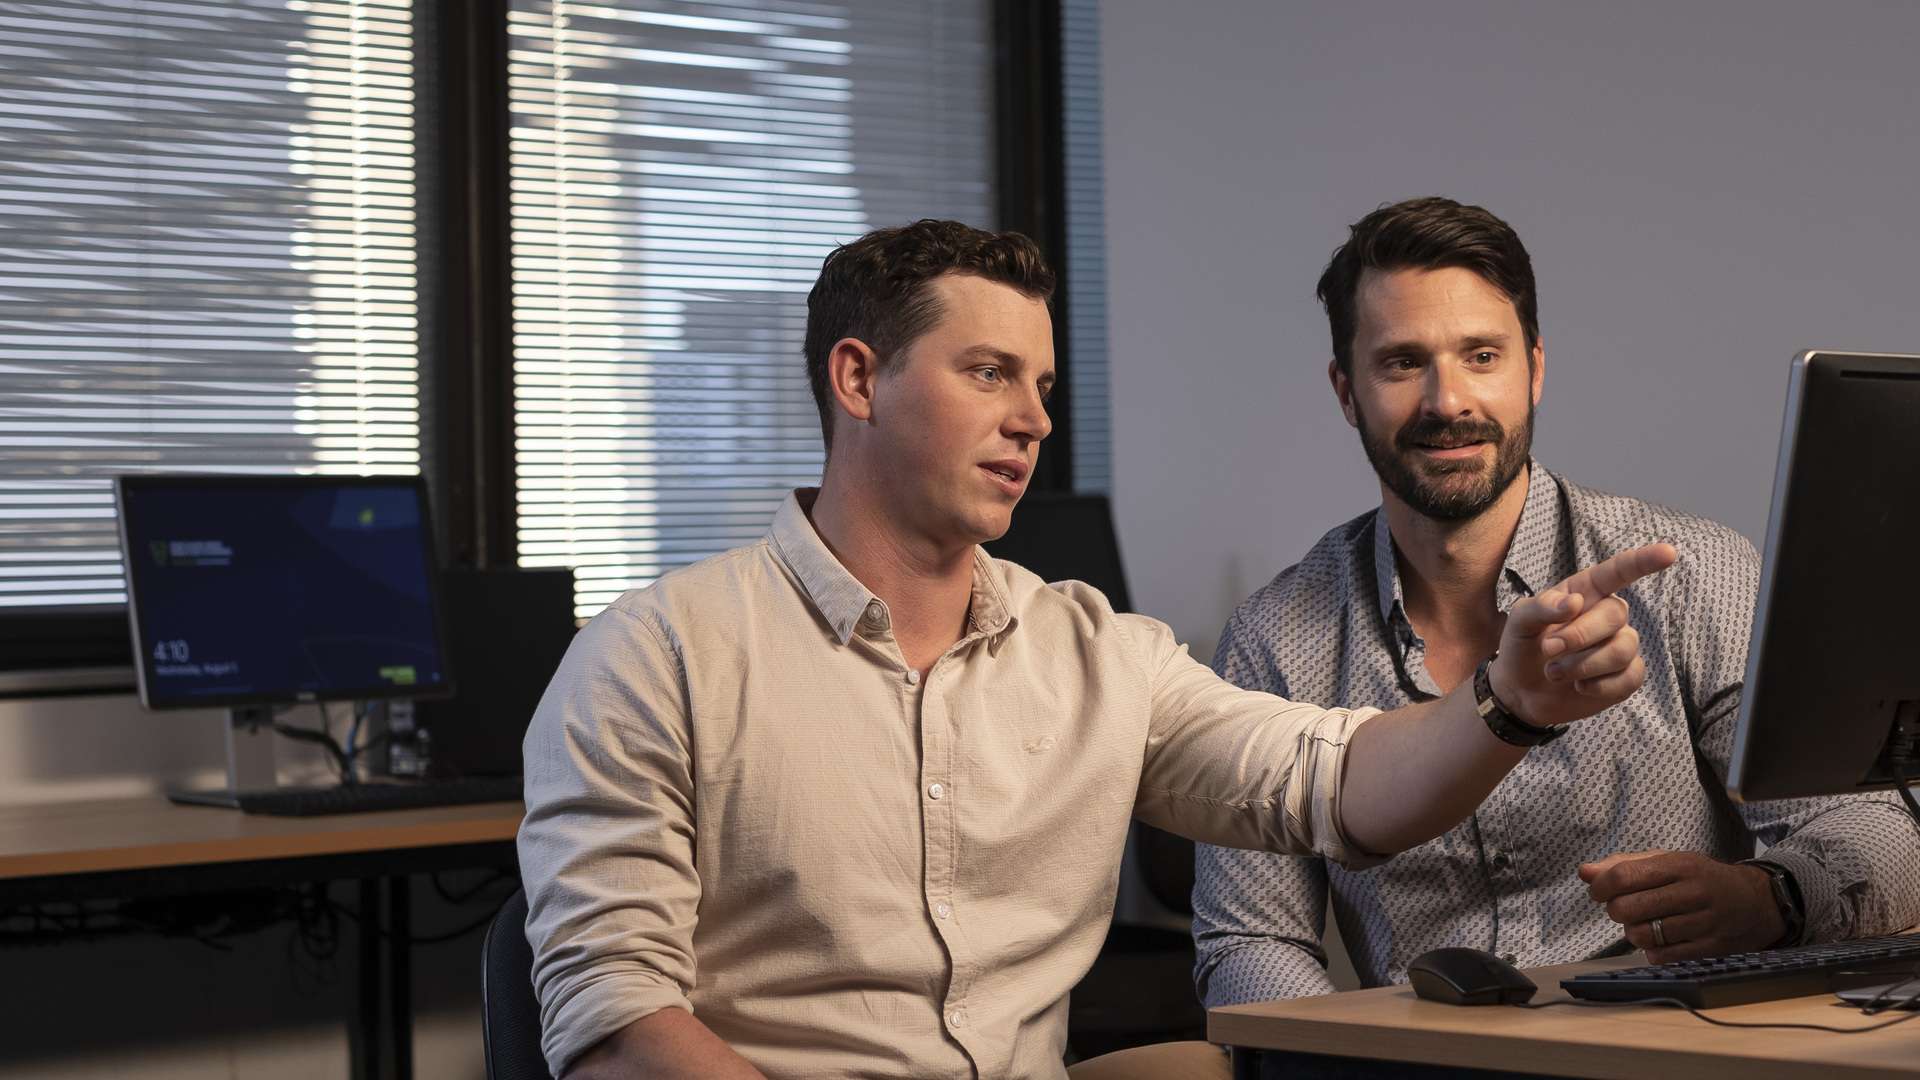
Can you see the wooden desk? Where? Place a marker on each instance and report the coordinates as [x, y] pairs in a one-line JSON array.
[[141, 847], [1389, 1024], [150, 834]]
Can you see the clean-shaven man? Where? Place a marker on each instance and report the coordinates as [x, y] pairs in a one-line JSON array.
[[850, 802], [1613, 831]]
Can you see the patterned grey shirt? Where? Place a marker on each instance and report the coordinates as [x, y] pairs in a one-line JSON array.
[[1646, 774]]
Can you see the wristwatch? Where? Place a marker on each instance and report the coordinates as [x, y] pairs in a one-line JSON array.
[[1786, 893], [1505, 726]]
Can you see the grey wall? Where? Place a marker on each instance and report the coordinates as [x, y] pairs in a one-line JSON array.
[[1705, 187]]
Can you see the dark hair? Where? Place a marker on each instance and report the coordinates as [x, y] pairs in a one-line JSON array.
[[879, 289], [1427, 234]]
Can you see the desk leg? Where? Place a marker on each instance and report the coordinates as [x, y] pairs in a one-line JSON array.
[[1246, 1063], [400, 973], [363, 1029]]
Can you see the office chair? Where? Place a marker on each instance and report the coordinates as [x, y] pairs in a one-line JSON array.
[[509, 1013]]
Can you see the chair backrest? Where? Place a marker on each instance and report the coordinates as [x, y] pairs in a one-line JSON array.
[[509, 1013]]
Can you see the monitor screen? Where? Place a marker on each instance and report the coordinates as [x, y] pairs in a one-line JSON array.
[[1832, 697], [260, 590]]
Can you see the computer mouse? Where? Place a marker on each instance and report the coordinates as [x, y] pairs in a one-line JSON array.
[[1468, 977]]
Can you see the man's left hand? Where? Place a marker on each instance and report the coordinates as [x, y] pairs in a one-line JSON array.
[[1706, 907]]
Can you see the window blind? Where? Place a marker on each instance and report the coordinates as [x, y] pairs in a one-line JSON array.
[[1086, 255], [206, 259], [679, 170]]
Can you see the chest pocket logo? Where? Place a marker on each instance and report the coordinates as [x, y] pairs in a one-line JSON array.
[[1040, 745]]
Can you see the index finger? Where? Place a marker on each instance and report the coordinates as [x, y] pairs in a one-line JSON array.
[[1601, 580]]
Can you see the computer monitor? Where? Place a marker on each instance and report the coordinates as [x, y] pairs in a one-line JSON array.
[[507, 630], [1060, 536], [257, 591], [1832, 697]]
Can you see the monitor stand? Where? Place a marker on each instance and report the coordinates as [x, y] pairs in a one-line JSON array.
[[1899, 760], [250, 764]]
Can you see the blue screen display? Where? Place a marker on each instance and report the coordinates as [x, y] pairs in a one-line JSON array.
[[289, 589]]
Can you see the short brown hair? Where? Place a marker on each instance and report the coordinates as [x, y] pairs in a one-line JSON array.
[[879, 289], [1427, 234]]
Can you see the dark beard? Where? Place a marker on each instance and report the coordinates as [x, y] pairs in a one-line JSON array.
[[1452, 491]]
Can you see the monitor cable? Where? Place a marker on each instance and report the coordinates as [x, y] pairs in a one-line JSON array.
[[345, 757], [342, 763]]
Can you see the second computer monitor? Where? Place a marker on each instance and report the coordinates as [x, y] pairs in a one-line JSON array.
[[1832, 697]]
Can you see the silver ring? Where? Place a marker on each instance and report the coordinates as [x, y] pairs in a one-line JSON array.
[[1659, 935]]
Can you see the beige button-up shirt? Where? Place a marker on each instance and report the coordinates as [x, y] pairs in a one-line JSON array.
[[741, 801]]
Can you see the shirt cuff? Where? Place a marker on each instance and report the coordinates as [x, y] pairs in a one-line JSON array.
[[1313, 809], [1252, 972], [598, 1008]]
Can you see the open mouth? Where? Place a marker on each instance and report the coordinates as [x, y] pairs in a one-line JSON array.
[[1010, 474]]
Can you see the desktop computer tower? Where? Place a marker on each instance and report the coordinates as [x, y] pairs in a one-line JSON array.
[[506, 630]]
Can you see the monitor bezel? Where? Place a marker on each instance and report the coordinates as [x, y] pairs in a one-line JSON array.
[[142, 655]]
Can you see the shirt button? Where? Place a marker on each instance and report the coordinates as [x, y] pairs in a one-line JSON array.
[[1511, 959], [957, 1018], [942, 909], [1501, 860], [936, 790], [913, 678]]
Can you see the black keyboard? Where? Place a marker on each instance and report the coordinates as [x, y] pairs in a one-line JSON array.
[[378, 795], [1755, 976]]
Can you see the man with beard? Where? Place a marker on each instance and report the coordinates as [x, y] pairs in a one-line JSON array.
[[1620, 830]]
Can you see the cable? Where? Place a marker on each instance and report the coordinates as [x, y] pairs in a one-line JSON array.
[[1906, 793], [323, 738], [1698, 1015], [360, 710], [423, 939], [1885, 1000], [460, 898]]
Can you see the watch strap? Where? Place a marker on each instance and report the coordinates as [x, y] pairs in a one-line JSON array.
[[1505, 726], [1786, 893]]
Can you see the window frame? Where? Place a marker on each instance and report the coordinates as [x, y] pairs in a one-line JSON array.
[[466, 319]]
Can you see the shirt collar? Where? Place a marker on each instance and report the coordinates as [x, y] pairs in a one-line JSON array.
[[1534, 560], [840, 598]]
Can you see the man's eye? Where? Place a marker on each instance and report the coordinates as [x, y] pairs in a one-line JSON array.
[[1401, 363], [1484, 357], [991, 374]]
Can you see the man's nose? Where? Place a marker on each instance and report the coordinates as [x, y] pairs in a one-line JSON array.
[[1444, 390], [1030, 420]]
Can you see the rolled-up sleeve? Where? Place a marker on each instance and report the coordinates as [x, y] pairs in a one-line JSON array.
[[1240, 768], [607, 846]]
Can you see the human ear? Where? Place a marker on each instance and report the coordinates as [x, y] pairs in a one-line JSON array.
[[852, 370], [1343, 390]]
